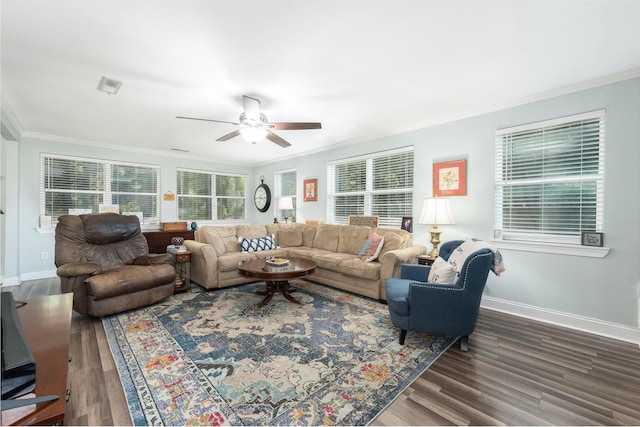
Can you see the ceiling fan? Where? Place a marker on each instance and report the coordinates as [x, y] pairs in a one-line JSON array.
[[254, 126]]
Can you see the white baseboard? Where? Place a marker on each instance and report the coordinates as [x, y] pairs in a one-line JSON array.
[[36, 275], [585, 324], [10, 281]]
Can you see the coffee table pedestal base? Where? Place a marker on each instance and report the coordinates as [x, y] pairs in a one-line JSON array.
[[282, 286]]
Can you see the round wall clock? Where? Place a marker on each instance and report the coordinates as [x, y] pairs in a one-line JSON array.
[[262, 196]]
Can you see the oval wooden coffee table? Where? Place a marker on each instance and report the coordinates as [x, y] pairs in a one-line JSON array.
[[277, 277]]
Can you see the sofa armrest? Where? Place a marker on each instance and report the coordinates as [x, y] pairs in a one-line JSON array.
[[204, 264], [392, 261], [153, 259], [78, 269]]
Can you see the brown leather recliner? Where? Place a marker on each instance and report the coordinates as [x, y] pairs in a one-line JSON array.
[[104, 260]]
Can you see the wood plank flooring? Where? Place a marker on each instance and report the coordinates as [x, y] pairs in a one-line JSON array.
[[516, 372]]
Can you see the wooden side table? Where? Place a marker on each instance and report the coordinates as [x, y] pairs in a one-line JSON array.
[[182, 264], [425, 260]]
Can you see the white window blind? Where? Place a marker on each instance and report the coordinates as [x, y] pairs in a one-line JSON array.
[[549, 183], [286, 183], [69, 184], [376, 184], [210, 196]]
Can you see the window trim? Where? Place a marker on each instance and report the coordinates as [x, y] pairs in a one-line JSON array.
[[368, 192], [536, 243], [109, 163], [214, 196], [278, 192]]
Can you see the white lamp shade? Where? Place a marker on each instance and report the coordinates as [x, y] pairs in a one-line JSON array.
[[286, 203], [253, 134], [436, 211]]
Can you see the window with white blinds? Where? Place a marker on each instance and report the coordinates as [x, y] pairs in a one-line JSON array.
[[210, 196], [549, 183], [80, 185], [286, 183], [376, 184]]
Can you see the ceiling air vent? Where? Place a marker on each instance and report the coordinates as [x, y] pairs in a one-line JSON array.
[[109, 86]]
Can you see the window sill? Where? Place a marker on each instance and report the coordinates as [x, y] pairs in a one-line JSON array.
[[47, 230], [552, 248]]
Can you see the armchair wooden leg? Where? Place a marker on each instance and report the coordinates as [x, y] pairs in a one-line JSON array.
[[464, 343], [403, 335]]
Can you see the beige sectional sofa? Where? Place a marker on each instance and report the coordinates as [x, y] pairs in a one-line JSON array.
[[215, 254]]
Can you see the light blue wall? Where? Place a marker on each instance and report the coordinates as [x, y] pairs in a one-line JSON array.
[[32, 242], [597, 288], [605, 289]]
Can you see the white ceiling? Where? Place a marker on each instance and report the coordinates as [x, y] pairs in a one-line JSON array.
[[364, 69]]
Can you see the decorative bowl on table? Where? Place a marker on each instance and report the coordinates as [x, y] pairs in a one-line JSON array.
[[277, 262]]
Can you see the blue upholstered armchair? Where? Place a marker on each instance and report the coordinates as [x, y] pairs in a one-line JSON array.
[[450, 309]]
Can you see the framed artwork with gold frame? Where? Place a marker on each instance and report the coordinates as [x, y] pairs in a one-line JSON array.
[[450, 178], [310, 189]]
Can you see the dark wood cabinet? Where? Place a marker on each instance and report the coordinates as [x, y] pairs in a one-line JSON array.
[[159, 240]]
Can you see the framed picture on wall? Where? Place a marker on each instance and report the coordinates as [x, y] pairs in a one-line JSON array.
[[450, 178], [407, 224], [311, 190]]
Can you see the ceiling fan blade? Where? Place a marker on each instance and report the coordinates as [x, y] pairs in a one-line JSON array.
[[296, 125], [229, 135], [207, 120], [275, 138], [251, 108]]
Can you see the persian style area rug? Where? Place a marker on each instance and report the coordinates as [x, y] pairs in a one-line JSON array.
[[214, 358]]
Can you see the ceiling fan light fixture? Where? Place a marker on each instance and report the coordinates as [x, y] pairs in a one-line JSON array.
[[253, 134]]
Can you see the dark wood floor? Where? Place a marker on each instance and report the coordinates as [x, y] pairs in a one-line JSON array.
[[516, 372]]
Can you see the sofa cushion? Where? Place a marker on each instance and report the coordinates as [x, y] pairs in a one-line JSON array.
[[371, 248], [442, 272], [290, 238], [305, 252], [331, 260], [229, 262], [257, 244], [352, 238], [251, 231], [128, 279], [308, 234], [327, 236], [215, 236], [354, 267], [230, 244]]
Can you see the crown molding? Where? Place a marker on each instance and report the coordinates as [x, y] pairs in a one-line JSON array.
[[132, 149], [9, 119]]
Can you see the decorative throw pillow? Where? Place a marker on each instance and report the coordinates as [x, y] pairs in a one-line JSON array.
[[371, 248], [257, 244], [442, 272]]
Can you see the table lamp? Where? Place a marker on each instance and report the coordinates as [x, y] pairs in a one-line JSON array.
[[436, 210], [286, 203]]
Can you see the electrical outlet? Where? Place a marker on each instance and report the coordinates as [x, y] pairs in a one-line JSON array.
[[44, 255]]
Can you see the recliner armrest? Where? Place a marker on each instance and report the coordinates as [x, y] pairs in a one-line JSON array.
[[78, 269], [153, 259]]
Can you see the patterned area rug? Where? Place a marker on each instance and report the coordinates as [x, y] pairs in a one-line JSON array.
[[213, 358]]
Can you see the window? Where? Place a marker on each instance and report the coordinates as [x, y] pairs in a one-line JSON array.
[[73, 184], [376, 184], [549, 183], [209, 196], [286, 183]]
